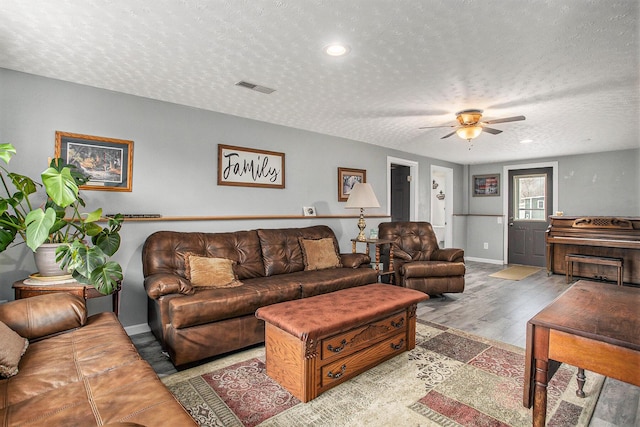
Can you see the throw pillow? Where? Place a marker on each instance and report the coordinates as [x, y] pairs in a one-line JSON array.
[[210, 272], [319, 254], [12, 348]]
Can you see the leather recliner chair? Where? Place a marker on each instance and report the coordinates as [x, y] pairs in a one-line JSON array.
[[418, 262]]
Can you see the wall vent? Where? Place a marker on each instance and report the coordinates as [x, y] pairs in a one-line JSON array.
[[257, 88]]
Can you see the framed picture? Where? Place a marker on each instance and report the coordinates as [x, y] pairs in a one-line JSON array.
[[248, 167], [486, 185], [308, 211], [347, 178], [108, 162]]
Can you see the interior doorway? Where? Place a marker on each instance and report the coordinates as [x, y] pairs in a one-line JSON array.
[[442, 204], [402, 189]]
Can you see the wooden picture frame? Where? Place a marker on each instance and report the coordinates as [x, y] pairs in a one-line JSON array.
[[107, 161], [486, 185], [347, 178], [248, 167]]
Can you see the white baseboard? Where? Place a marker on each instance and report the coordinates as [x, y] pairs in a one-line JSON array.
[[137, 329], [485, 260]]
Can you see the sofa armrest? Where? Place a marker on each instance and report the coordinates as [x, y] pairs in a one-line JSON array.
[[161, 284], [448, 254], [355, 260], [44, 315]]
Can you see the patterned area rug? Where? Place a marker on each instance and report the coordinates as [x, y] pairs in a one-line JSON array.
[[451, 378]]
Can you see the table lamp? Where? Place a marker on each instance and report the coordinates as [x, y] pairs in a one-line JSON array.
[[362, 196]]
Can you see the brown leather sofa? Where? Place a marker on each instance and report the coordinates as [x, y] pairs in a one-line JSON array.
[[418, 262], [194, 323], [80, 371]]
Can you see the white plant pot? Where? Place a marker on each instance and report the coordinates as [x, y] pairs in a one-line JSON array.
[[45, 257]]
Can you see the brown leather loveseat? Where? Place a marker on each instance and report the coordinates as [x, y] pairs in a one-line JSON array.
[[77, 370], [198, 321], [419, 263]]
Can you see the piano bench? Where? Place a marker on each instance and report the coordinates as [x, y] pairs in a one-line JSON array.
[[592, 259]]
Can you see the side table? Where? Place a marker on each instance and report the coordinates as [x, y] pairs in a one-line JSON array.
[[30, 287], [377, 243]]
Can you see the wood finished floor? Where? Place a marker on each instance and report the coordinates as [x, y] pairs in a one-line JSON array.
[[493, 308]]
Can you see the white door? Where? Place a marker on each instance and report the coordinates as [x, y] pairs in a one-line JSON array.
[[442, 204]]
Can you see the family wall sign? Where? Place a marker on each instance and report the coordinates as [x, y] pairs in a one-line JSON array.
[[248, 167]]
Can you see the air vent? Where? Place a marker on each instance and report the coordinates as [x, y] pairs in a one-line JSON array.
[[257, 88]]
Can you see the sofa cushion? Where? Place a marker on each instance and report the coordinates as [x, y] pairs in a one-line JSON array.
[[281, 250], [163, 251], [211, 272], [319, 254], [211, 305], [12, 349], [334, 279]]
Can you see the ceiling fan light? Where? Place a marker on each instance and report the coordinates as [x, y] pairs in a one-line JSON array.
[[469, 132]]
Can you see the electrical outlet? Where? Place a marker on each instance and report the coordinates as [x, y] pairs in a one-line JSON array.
[[486, 245]]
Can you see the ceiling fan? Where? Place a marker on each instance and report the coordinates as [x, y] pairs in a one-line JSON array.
[[470, 126]]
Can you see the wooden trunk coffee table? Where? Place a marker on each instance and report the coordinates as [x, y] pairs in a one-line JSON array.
[[313, 344]]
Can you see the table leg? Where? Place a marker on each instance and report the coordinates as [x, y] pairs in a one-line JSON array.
[[540, 393], [581, 379], [116, 301]]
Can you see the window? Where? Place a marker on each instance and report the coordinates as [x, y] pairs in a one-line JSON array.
[[531, 191]]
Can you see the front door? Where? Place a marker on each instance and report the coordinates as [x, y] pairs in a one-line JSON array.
[[530, 205]]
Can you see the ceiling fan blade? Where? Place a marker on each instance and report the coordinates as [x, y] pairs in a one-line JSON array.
[[505, 120], [448, 135], [434, 127], [491, 130]]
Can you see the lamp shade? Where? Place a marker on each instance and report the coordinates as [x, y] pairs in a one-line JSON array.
[[469, 132], [362, 196]]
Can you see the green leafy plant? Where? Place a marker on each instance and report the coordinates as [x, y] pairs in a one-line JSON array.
[[60, 220]]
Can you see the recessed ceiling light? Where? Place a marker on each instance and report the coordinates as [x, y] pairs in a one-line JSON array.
[[336, 49], [526, 141]]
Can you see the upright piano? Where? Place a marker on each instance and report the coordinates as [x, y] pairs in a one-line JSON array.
[[595, 235]]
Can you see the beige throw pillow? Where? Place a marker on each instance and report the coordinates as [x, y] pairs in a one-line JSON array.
[[210, 272], [12, 348], [319, 254]]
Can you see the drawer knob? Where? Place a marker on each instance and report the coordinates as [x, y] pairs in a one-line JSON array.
[[338, 374], [399, 324], [397, 346], [337, 349]]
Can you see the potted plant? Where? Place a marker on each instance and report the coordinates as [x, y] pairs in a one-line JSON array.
[[86, 246]]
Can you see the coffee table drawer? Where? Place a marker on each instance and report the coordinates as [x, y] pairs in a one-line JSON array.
[[356, 363], [346, 343]]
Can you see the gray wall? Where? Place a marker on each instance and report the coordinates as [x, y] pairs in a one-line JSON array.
[[175, 170], [588, 184]]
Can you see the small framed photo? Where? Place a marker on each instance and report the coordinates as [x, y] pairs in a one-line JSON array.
[[347, 178], [309, 211], [486, 185], [108, 162]]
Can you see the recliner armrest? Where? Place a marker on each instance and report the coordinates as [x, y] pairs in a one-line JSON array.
[[448, 254], [43, 315], [161, 284], [356, 260]]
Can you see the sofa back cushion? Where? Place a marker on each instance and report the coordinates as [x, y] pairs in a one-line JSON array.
[[413, 240], [281, 249], [164, 251]]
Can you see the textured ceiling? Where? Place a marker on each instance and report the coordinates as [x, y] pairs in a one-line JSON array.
[[571, 67]]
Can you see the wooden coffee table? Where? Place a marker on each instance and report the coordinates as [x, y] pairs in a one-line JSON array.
[[313, 344], [593, 326]]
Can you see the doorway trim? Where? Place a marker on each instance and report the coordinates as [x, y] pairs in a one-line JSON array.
[[413, 185], [448, 233], [505, 197]]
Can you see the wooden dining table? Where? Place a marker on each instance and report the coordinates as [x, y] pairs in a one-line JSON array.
[[594, 326]]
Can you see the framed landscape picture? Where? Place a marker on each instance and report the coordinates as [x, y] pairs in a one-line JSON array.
[[347, 178], [107, 161], [486, 185]]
